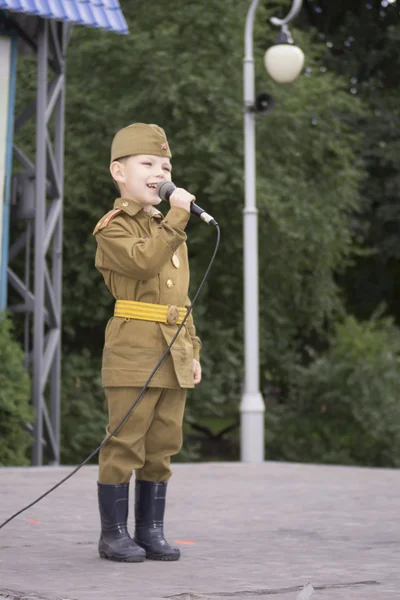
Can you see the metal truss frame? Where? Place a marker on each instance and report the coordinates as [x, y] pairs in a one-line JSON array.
[[38, 189]]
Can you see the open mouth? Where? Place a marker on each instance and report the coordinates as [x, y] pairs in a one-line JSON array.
[[152, 186]]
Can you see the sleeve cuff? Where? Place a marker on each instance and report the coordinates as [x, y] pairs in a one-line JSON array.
[[177, 217], [196, 348]]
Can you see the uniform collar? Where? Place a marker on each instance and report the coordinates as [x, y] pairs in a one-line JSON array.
[[132, 208], [127, 205]]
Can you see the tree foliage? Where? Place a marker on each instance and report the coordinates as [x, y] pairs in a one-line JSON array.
[[307, 177], [327, 184], [84, 415], [344, 408], [362, 46], [16, 415]]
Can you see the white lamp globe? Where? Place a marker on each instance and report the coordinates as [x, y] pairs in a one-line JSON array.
[[284, 62]]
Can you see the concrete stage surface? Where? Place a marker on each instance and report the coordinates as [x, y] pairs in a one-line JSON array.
[[246, 532]]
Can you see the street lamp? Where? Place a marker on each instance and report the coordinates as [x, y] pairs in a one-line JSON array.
[[283, 61]]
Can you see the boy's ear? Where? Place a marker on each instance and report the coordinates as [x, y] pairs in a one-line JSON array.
[[117, 171]]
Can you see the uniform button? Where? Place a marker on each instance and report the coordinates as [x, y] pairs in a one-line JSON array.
[[125, 203], [176, 261], [170, 283], [172, 315]]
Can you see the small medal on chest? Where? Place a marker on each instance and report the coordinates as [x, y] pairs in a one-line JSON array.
[[175, 261]]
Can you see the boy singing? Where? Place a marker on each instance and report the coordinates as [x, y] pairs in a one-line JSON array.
[[143, 258]]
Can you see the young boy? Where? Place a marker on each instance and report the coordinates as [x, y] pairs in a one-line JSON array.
[[144, 262]]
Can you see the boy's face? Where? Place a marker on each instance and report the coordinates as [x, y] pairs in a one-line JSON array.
[[138, 176]]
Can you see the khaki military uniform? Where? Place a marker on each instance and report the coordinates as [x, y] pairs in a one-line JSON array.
[[143, 257]]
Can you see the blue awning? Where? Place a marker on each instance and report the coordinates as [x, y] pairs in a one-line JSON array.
[[103, 14]]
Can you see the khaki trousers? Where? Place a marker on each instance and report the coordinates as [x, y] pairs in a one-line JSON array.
[[148, 438]]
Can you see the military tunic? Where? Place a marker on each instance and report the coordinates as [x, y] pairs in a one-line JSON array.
[[143, 257]]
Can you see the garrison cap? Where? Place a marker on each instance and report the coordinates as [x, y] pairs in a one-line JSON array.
[[140, 138]]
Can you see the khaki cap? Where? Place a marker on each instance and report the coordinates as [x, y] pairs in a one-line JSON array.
[[140, 138]]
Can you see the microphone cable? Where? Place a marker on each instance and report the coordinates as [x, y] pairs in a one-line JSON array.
[[141, 394]]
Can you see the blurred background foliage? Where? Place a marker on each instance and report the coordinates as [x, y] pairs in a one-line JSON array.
[[328, 183]]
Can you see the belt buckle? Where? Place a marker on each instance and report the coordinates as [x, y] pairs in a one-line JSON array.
[[172, 315]]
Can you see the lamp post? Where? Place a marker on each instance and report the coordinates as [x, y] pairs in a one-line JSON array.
[[284, 62]]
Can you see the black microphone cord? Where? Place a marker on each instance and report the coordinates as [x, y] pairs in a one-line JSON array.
[[142, 392]]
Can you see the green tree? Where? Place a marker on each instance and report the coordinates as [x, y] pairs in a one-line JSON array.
[[362, 46], [84, 415], [181, 67], [344, 408], [308, 173], [16, 414]]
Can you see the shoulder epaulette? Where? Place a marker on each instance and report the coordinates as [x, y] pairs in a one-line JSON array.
[[106, 220]]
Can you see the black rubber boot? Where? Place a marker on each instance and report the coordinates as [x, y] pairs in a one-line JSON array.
[[149, 521], [115, 542]]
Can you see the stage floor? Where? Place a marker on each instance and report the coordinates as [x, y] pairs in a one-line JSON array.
[[246, 532]]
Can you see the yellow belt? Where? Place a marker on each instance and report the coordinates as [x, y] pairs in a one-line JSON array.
[[144, 311]]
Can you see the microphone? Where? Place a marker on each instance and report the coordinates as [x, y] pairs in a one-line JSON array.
[[166, 188]]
